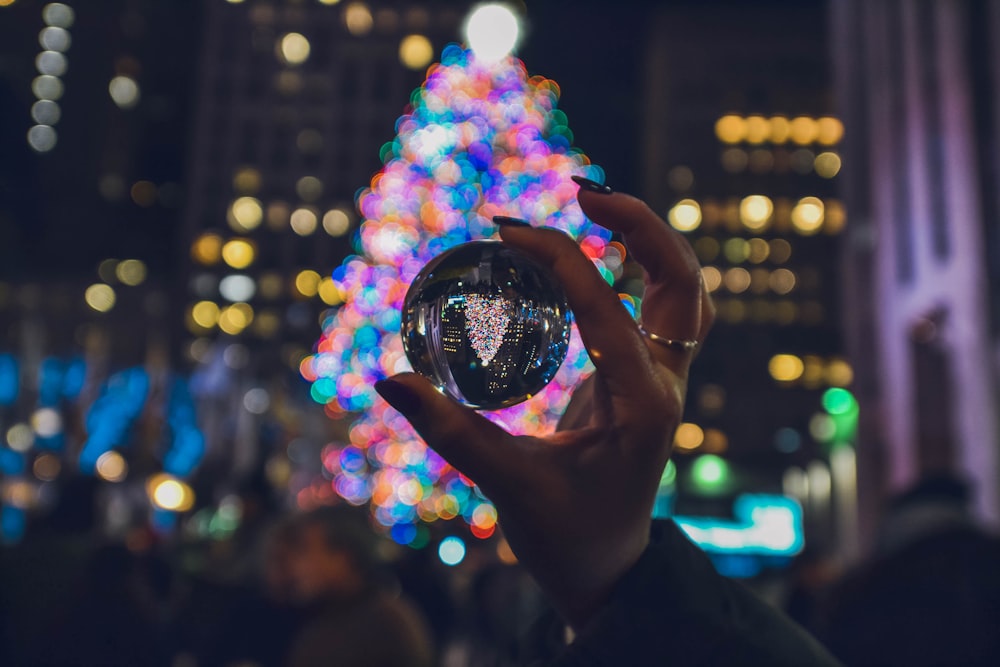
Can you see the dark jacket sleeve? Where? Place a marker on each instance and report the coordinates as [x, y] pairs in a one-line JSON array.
[[672, 608]]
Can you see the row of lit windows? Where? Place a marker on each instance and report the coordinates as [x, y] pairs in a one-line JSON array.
[[129, 272], [801, 130], [806, 216], [810, 371], [246, 214], [357, 18], [738, 280], [826, 164], [415, 51], [738, 250], [239, 253], [51, 64], [762, 311], [690, 437], [238, 287], [204, 317]]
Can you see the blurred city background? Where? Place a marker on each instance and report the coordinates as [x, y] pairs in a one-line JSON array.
[[178, 208]]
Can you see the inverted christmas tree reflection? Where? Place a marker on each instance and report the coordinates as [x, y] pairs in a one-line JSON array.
[[488, 325]]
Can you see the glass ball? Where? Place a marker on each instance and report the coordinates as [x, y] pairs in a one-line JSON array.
[[487, 324]]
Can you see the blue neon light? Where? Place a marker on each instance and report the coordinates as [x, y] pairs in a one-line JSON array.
[[764, 525], [9, 384]]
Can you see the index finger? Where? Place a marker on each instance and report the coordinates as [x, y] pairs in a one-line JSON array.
[[610, 335], [673, 275]]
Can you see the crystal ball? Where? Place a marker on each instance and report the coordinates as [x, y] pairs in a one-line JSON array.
[[487, 324]]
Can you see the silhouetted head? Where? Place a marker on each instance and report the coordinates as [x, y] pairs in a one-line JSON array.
[[333, 554]]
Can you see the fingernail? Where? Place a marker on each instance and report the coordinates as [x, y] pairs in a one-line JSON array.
[[592, 186], [399, 396], [505, 221]]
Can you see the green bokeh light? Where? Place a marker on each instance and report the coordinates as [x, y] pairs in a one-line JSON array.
[[839, 401], [709, 472]]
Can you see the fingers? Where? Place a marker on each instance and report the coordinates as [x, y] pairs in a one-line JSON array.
[[610, 335], [477, 447], [673, 302]]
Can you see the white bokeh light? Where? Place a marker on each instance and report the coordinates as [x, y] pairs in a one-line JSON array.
[[492, 31]]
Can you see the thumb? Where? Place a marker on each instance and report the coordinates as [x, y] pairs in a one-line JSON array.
[[478, 448]]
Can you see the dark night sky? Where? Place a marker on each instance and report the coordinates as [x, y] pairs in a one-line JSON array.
[[57, 224]]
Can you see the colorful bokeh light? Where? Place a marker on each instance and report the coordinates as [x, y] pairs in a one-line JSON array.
[[480, 139]]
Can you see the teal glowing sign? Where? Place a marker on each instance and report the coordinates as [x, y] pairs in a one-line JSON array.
[[763, 525]]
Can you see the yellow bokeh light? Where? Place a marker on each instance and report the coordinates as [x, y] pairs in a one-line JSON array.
[[293, 49], [303, 221], [245, 214], [416, 52], [759, 250], [758, 129], [685, 215], [758, 280], [46, 467], [812, 372], [755, 211], [20, 437], [246, 180], [737, 280], [807, 216], [277, 215], [336, 222], [235, 318], [7, 3], [712, 277], [688, 436], [358, 19], [131, 272], [205, 314], [100, 297], [170, 493], [839, 373], [803, 130], [716, 441], [111, 467], [835, 218], [736, 250], [781, 129], [827, 164], [143, 193], [731, 129], [330, 293], [239, 253], [207, 249], [266, 324], [307, 282], [270, 285], [785, 367], [309, 188], [829, 131], [782, 281], [781, 250]]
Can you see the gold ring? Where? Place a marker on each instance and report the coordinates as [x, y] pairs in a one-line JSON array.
[[672, 343]]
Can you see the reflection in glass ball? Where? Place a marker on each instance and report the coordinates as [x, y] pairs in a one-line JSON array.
[[487, 324]]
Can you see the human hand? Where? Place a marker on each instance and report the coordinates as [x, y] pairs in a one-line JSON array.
[[575, 506]]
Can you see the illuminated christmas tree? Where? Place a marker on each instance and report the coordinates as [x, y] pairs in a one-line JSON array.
[[480, 139]]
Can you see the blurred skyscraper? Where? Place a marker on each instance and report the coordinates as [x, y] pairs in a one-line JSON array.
[[741, 154], [918, 82], [295, 100]]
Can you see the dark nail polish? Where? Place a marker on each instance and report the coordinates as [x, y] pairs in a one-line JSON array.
[[592, 186], [399, 396], [505, 221]]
